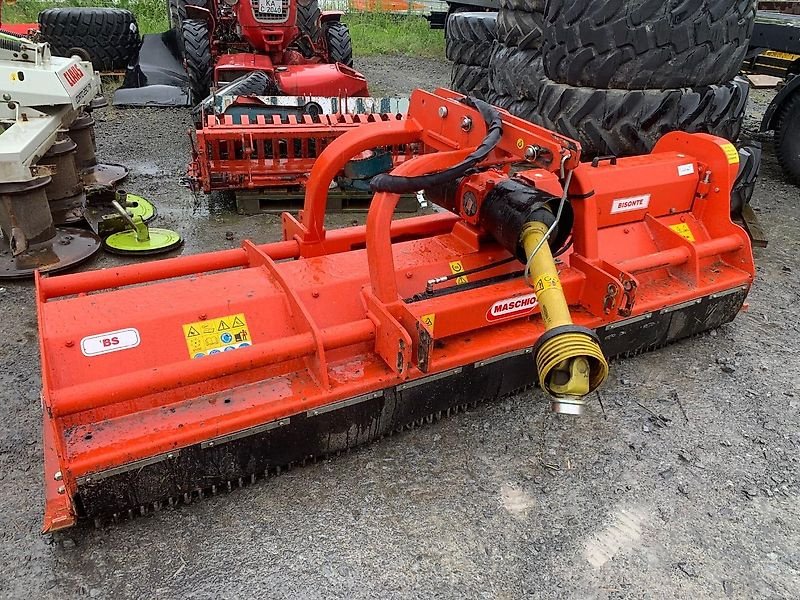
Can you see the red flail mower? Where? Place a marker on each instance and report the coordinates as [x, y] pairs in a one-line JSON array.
[[167, 381]]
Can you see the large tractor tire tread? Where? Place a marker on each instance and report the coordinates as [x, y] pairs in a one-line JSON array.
[[469, 37], [197, 56], [531, 6], [520, 28], [624, 123], [108, 37], [646, 44], [470, 80], [516, 73], [309, 19], [340, 44], [176, 9], [787, 138]]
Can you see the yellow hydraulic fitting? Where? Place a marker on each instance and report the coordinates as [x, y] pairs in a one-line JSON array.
[[568, 357]]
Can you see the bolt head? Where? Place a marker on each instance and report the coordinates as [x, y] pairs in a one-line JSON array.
[[58, 476], [442, 112], [531, 152], [62, 489], [466, 123]]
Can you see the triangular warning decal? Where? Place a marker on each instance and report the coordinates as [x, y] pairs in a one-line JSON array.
[[222, 325], [237, 322], [192, 332]]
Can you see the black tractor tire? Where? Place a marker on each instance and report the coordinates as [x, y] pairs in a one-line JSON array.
[[787, 138], [109, 37], [470, 80], [646, 44], [176, 9], [533, 6], [520, 28], [516, 73], [469, 38], [625, 123], [197, 56], [309, 20], [340, 44]]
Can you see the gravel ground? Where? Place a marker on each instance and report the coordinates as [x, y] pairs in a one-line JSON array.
[[506, 501]]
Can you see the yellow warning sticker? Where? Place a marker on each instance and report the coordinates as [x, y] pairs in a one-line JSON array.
[[213, 336], [731, 153], [429, 321], [455, 268], [520, 143], [683, 230], [546, 282]]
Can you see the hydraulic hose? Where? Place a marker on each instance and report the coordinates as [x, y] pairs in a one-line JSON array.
[[394, 184]]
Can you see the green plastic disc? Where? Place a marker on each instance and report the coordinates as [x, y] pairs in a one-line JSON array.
[[144, 208], [125, 242]]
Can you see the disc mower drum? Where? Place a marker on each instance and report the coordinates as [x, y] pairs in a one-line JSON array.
[[108, 37], [127, 243], [30, 241], [636, 44]]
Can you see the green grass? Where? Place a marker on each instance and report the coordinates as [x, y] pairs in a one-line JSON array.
[[373, 33], [384, 33]]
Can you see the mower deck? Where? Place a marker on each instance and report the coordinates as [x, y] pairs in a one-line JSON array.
[[270, 355]]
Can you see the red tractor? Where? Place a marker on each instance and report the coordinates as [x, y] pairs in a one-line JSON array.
[[302, 49]]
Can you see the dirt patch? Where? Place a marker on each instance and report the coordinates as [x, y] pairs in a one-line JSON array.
[[506, 501]]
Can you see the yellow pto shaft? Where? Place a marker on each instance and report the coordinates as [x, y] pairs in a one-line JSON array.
[[569, 360]]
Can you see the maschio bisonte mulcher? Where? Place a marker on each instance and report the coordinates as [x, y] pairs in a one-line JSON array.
[[170, 380]]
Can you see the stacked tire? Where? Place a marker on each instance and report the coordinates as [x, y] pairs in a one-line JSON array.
[[107, 37], [618, 75], [469, 37], [515, 65]]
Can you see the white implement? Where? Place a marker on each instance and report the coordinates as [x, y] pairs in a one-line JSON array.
[[39, 94]]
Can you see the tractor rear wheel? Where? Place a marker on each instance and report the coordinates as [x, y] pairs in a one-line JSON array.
[[309, 19], [109, 37], [340, 45], [197, 56], [787, 138]]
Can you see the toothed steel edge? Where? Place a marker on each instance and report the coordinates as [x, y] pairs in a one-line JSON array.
[[494, 359], [337, 405], [128, 467], [244, 433], [628, 321], [681, 306], [423, 381], [741, 288]]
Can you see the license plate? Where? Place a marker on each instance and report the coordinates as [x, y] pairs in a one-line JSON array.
[[270, 7]]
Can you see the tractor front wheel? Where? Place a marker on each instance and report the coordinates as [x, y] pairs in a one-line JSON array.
[[197, 56], [340, 45], [309, 19]]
